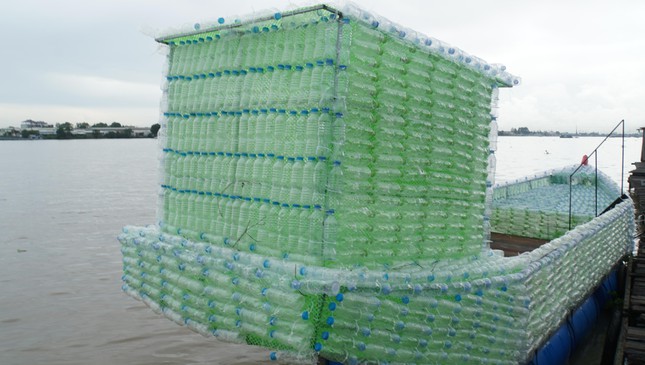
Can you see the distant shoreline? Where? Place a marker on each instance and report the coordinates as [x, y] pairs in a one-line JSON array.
[[70, 139], [634, 135]]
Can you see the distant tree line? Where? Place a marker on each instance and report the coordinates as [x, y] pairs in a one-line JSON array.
[[67, 130], [525, 131]]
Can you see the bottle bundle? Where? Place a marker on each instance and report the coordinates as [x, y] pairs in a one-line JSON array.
[[539, 207], [562, 273], [491, 309], [390, 140], [247, 136], [415, 148]]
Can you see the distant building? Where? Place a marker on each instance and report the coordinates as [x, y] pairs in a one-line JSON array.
[[136, 131], [32, 124], [9, 132]]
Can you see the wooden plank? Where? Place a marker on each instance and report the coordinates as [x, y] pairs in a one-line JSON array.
[[636, 332], [514, 245]]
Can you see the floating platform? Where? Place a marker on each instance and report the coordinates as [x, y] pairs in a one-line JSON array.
[[327, 192]]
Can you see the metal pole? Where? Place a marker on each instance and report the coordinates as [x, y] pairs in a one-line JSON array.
[[570, 194], [622, 161], [596, 182]]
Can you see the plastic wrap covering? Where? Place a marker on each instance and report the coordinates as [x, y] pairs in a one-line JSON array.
[[539, 206], [326, 188]]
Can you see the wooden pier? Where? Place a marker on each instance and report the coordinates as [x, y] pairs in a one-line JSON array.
[[630, 348], [631, 341]]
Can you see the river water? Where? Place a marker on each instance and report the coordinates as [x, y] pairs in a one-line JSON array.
[[62, 204]]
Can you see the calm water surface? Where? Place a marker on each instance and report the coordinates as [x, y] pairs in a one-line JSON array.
[[62, 203]]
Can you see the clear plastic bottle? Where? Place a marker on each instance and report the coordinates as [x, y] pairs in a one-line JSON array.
[[210, 214], [320, 180], [253, 220], [270, 132], [289, 139], [316, 224], [172, 131], [280, 133], [271, 77], [219, 210], [272, 227], [263, 221], [330, 237], [308, 39], [278, 46], [299, 134], [181, 135], [232, 186], [184, 175], [267, 175], [327, 82], [334, 185], [338, 131], [251, 127], [216, 173], [240, 174], [169, 165], [257, 176], [284, 84], [296, 180], [244, 221], [277, 172], [492, 138], [310, 135], [213, 103], [190, 166], [226, 179], [221, 136], [307, 181], [199, 218], [492, 162], [260, 134], [243, 134], [188, 216], [316, 87], [209, 135], [200, 170], [303, 227], [294, 228], [285, 181], [236, 222], [305, 84], [324, 133], [283, 228], [249, 175], [199, 132], [292, 91]]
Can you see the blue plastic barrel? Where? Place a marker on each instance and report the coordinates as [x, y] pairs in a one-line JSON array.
[[583, 320], [557, 349], [603, 293]]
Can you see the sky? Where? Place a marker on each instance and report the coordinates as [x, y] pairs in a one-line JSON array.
[[581, 62]]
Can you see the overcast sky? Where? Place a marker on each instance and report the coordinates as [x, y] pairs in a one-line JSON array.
[[581, 62]]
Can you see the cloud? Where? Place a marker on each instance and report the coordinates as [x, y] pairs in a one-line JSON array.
[[96, 91]]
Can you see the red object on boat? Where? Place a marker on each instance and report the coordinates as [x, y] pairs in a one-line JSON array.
[[585, 160]]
